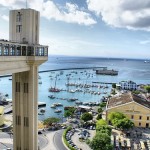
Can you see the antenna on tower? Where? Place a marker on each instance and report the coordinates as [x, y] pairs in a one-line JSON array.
[[26, 4]]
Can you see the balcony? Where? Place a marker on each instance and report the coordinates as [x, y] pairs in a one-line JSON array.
[[8, 48], [18, 57]]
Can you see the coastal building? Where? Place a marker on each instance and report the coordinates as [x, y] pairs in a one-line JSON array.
[[128, 85], [21, 57], [133, 106], [1, 115]]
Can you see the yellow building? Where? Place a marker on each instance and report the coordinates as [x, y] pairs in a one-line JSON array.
[[134, 107], [1, 115]]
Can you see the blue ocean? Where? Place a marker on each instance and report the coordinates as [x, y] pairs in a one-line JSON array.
[[65, 69]]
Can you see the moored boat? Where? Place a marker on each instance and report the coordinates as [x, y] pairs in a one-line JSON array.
[[54, 90], [42, 110], [51, 96], [58, 111], [53, 106]]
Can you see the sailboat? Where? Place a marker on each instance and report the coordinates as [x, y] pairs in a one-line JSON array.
[[54, 89]]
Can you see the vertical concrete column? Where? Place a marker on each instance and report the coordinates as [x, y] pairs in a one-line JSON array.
[[25, 107]]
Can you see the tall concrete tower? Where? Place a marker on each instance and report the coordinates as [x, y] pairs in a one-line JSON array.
[[24, 26], [26, 55]]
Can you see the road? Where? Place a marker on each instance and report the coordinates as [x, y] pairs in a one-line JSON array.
[[58, 140], [51, 140]]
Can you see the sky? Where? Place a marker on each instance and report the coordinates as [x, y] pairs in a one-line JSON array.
[[101, 28]]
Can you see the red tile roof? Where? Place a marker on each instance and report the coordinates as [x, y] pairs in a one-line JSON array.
[[126, 98]]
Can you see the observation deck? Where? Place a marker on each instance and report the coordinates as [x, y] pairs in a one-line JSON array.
[[17, 57]]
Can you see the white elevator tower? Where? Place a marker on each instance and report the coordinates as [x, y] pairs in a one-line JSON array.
[[21, 56]]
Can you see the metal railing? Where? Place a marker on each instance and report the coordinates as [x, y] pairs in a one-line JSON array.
[[16, 49]]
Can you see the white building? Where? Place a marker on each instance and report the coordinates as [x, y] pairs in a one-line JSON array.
[[128, 85]]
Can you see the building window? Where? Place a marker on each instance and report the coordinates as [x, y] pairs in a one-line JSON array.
[[25, 87], [17, 86], [18, 28], [19, 17], [26, 121], [147, 118], [132, 117], [140, 117], [147, 125], [139, 124]]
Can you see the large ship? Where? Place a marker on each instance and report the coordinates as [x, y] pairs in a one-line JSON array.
[[105, 71]]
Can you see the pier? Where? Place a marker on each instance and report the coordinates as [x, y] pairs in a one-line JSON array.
[[104, 82]]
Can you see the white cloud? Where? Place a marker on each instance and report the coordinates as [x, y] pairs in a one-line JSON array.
[[70, 13], [145, 42], [129, 14], [13, 3], [6, 18]]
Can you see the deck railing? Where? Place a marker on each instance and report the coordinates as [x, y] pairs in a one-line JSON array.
[[8, 48]]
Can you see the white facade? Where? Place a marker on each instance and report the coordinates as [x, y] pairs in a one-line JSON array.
[[24, 29], [24, 26], [128, 85]]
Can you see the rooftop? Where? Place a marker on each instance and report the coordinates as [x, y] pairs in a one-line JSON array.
[[126, 98]]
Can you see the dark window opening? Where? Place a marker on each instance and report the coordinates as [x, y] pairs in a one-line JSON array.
[[25, 87], [19, 28]]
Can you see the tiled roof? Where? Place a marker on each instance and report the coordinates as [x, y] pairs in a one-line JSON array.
[[126, 98]]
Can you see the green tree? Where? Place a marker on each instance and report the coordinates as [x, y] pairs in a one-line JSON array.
[[114, 85], [101, 141], [103, 104], [117, 115], [104, 129], [100, 110], [120, 121], [136, 92], [86, 116], [50, 121], [99, 116], [147, 88], [123, 124], [101, 122], [69, 112]]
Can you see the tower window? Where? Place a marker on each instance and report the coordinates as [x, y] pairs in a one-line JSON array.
[[19, 17], [25, 87], [18, 28], [17, 86]]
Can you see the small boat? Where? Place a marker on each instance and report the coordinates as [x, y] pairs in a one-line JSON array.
[[42, 110], [51, 96], [58, 104], [53, 90], [71, 91], [40, 82], [53, 106], [78, 102], [58, 111], [72, 99], [10, 78]]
